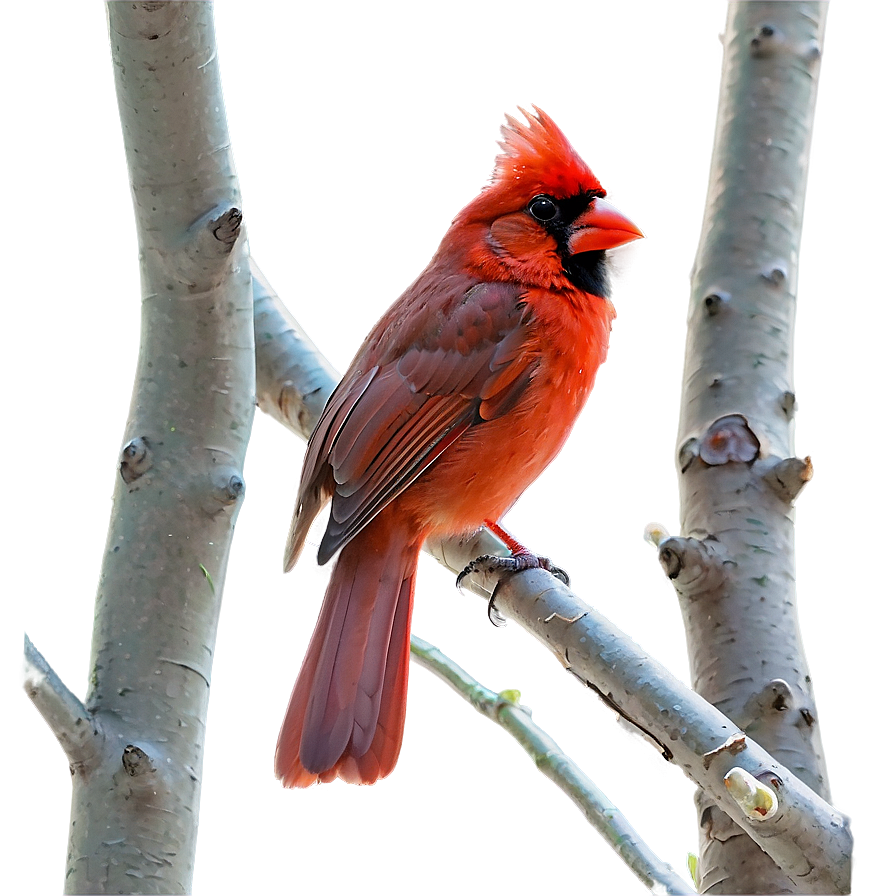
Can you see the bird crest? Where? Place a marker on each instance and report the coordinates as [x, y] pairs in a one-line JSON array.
[[538, 155]]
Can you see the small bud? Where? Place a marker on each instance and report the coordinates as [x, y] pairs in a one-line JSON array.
[[654, 533]]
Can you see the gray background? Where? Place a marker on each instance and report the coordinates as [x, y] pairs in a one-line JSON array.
[[359, 130]]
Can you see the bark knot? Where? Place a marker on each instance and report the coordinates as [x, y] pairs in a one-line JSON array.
[[136, 459], [729, 439], [694, 565], [767, 40], [788, 476]]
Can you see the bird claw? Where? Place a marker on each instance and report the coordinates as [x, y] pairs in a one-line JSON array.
[[507, 566], [558, 573], [494, 614]]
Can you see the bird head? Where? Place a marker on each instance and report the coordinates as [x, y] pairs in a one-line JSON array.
[[548, 223]]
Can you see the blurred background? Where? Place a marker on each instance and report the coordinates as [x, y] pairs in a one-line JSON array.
[[359, 130]]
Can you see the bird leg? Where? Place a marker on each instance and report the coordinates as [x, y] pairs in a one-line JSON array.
[[520, 559]]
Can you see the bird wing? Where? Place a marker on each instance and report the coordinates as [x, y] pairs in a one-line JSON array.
[[385, 426]]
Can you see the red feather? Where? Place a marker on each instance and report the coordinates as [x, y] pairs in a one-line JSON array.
[[461, 395]]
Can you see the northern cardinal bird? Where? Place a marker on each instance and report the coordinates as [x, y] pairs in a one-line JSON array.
[[460, 396]]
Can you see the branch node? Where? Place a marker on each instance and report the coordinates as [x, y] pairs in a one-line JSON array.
[[203, 261], [787, 477], [136, 762], [74, 727], [756, 800], [788, 404], [688, 453], [811, 51], [229, 489], [729, 439], [776, 696], [693, 564], [226, 228], [136, 459], [716, 302], [766, 41], [776, 273]]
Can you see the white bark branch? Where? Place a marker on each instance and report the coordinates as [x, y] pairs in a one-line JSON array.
[[733, 568], [135, 800]]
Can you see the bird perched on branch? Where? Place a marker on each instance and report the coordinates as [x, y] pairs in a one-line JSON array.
[[461, 395]]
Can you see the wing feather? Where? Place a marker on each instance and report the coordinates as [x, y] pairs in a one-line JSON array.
[[382, 429]]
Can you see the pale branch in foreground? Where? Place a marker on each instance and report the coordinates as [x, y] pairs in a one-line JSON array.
[[505, 710], [806, 835]]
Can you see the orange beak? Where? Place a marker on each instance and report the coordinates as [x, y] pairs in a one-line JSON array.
[[601, 227]]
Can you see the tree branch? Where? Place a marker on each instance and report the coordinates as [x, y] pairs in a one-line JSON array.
[[66, 715], [809, 838], [733, 568], [505, 710], [179, 485], [293, 379]]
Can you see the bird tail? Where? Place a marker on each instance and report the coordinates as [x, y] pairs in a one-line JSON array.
[[346, 714]]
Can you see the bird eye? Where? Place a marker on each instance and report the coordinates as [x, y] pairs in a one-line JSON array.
[[543, 208]]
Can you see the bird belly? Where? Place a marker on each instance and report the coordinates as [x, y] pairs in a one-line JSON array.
[[483, 474]]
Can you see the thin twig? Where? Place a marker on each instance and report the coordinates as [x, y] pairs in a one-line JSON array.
[[551, 761]]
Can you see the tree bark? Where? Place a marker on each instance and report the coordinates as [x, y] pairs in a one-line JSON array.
[[135, 798], [734, 569]]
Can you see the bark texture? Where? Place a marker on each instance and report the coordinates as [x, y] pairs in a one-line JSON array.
[[734, 567], [135, 797]]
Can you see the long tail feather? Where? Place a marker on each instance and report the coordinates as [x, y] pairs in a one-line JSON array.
[[346, 714]]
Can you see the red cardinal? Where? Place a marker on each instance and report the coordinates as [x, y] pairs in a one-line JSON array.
[[460, 396]]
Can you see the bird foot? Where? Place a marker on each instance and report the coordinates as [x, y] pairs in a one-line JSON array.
[[519, 561]]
